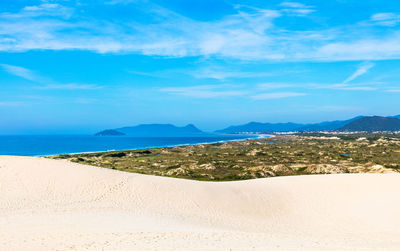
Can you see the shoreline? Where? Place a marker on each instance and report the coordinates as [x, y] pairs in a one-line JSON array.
[[259, 157], [257, 136]]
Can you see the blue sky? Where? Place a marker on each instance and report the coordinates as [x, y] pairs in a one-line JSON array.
[[76, 66]]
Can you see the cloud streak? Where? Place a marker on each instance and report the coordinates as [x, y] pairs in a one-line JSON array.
[[46, 83], [277, 95], [362, 69], [11, 103], [20, 72], [71, 86], [386, 19], [204, 91], [267, 86], [297, 9], [219, 91]]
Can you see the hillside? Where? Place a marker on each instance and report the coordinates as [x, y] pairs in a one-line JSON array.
[[373, 123], [287, 127], [109, 132], [261, 127], [327, 125], [155, 130]]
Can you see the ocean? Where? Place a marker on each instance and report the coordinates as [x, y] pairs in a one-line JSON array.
[[33, 145]]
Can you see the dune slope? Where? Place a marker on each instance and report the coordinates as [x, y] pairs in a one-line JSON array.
[[53, 204]]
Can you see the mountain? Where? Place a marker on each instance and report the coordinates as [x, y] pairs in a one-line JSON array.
[[396, 117], [159, 130], [326, 126], [373, 123], [110, 132], [360, 123], [261, 127], [286, 127]]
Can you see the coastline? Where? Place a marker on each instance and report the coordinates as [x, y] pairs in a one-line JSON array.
[[260, 157], [49, 145], [257, 136]]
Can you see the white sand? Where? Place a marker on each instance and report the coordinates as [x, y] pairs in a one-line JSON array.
[[50, 204]]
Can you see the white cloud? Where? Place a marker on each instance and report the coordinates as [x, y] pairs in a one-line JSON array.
[[20, 72], [277, 95], [149, 74], [46, 83], [222, 73], [113, 2], [85, 101], [297, 9], [71, 86], [386, 19], [203, 91], [242, 35], [249, 34], [256, 92], [362, 69], [335, 108], [266, 86], [11, 103], [362, 49], [45, 9], [344, 87], [393, 90], [293, 5], [358, 88]]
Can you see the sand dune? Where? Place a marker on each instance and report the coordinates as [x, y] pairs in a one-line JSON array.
[[51, 204]]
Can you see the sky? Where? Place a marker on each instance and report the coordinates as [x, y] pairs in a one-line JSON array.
[[79, 66]]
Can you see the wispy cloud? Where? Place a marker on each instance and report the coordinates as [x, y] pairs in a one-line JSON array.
[[277, 95], [394, 90], [11, 103], [71, 86], [357, 88], [223, 73], [257, 92], [249, 34], [362, 69], [85, 101], [344, 87], [360, 49], [113, 2], [334, 108], [203, 91], [44, 9], [45, 83], [296, 8], [386, 19], [266, 86], [20, 72], [148, 74], [294, 5]]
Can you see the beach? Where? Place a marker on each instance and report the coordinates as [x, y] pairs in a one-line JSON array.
[[48, 204]]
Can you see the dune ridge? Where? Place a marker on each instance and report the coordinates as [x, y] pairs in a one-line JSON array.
[[54, 204]]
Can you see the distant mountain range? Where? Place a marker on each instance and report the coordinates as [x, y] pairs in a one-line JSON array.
[[372, 124], [286, 127], [110, 132], [360, 123], [154, 130]]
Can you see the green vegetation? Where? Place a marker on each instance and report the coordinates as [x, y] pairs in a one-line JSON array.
[[300, 154]]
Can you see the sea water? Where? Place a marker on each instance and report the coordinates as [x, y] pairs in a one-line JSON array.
[[32, 145]]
